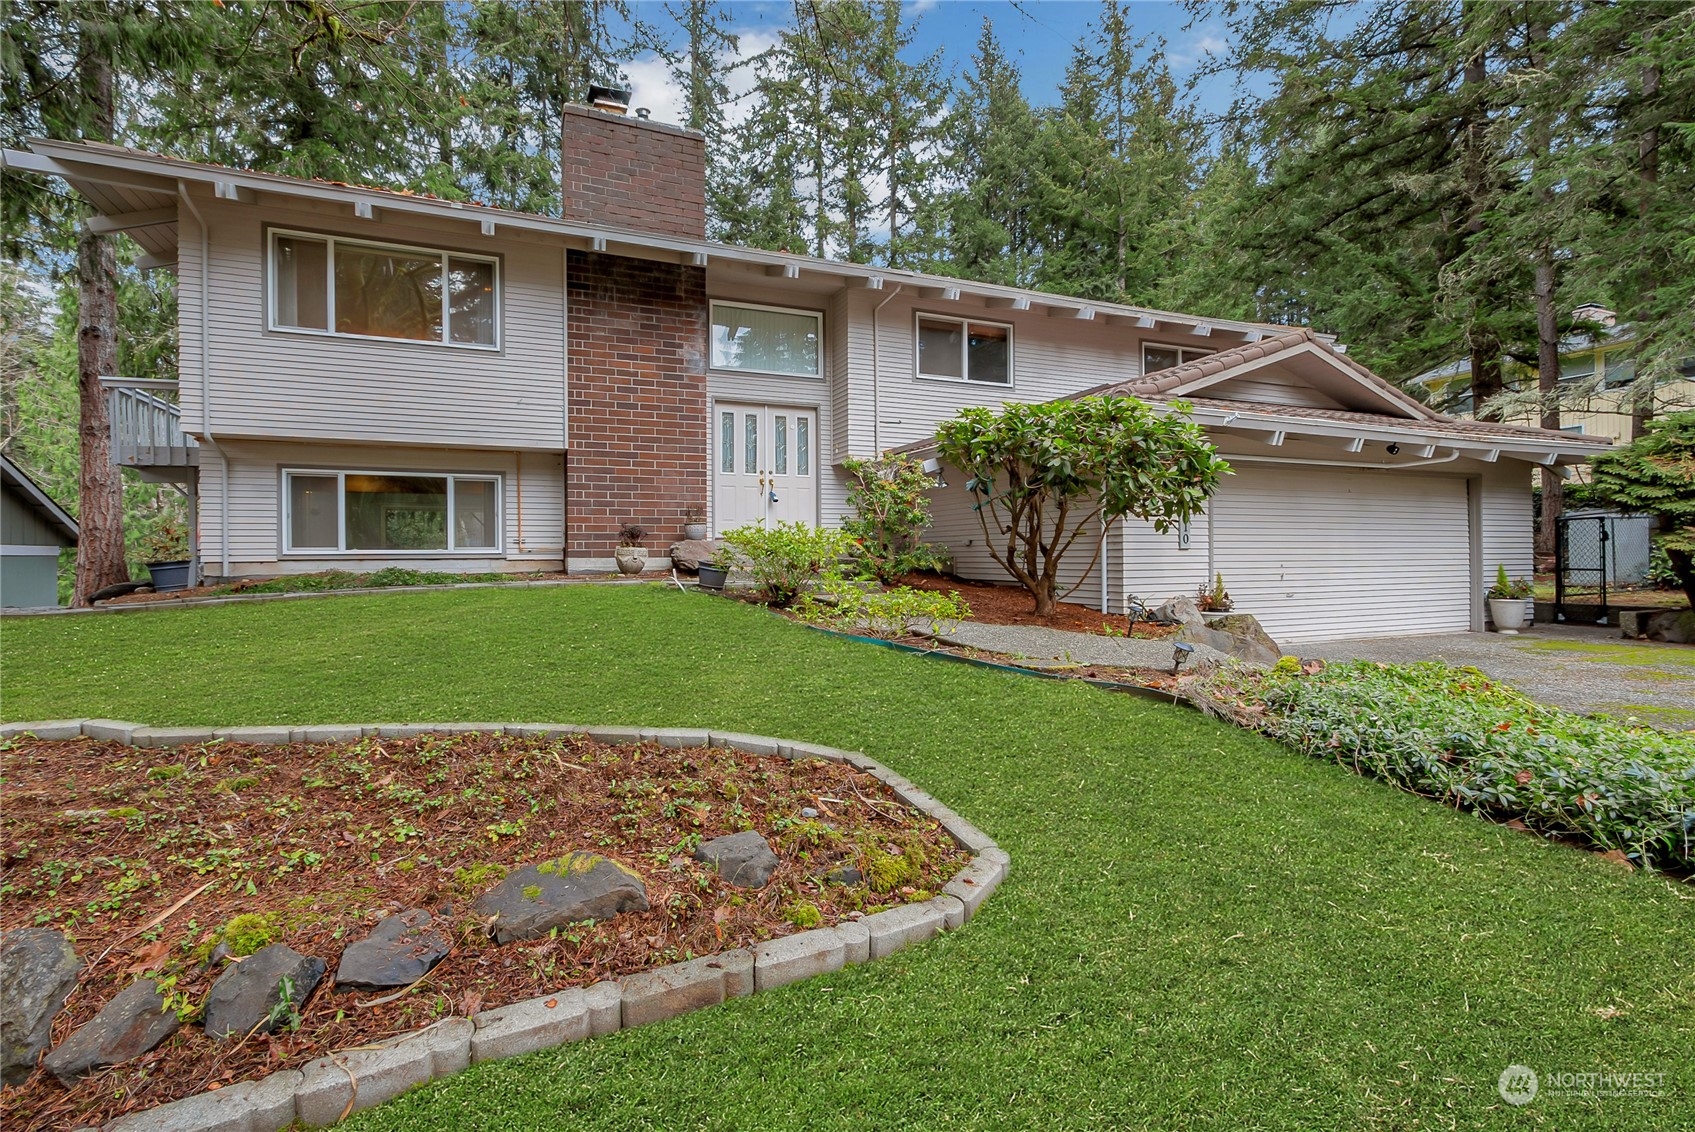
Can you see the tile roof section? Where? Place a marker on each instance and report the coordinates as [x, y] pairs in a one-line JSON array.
[[1435, 424], [1211, 365]]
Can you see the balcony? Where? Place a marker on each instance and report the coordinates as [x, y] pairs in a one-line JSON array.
[[147, 429]]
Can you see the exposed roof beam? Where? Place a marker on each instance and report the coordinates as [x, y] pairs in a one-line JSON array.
[[698, 259], [488, 227], [783, 270], [1426, 451], [947, 294], [1083, 313], [1357, 444], [1147, 322], [597, 243], [1002, 302], [1547, 459], [229, 190], [1276, 438], [1201, 330], [867, 283], [128, 221], [364, 210]]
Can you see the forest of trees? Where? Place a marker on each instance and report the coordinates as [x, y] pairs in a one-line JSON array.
[[1428, 180]]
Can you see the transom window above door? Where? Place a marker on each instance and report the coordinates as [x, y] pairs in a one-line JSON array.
[[1156, 358], [957, 349], [771, 340], [357, 289]]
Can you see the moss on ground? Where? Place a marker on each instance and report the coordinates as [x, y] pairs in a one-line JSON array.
[[1654, 657]]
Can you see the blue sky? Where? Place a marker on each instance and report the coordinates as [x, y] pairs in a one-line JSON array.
[[1039, 34]]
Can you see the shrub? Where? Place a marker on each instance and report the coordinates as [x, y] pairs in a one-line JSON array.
[[1458, 736], [786, 559], [890, 512], [844, 604], [1509, 589]]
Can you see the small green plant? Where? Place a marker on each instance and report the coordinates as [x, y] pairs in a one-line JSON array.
[[890, 500], [786, 559], [285, 1012], [841, 603], [804, 914], [1214, 598], [1507, 589], [249, 932]]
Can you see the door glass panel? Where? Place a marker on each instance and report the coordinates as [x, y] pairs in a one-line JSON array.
[[727, 442], [312, 504], [803, 446], [781, 447], [750, 442], [396, 512], [474, 514]]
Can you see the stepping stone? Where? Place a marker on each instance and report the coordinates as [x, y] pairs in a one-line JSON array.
[[742, 859], [134, 1022], [38, 968], [575, 888], [399, 951], [246, 994]]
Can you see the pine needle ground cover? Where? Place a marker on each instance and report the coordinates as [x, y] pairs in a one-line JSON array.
[[1202, 929]]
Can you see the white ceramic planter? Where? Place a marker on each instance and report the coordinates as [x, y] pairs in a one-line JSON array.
[[1510, 614]]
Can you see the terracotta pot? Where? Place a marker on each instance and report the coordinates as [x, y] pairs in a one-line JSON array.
[[630, 559]]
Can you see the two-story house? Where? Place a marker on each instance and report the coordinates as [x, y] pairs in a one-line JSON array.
[[371, 378]]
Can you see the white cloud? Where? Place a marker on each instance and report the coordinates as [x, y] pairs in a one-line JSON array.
[[1196, 49], [652, 86]]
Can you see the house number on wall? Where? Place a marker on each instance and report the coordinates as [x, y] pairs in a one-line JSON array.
[[1183, 535]]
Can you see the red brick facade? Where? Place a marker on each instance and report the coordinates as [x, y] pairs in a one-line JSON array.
[[629, 173], [637, 397]]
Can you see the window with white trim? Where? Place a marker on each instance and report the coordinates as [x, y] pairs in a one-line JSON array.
[[1156, 357], [359, 289], [957, 349], [390, 512], [771, 340]]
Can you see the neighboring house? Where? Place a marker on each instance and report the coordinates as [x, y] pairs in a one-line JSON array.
[[33, 529], [1604, 363], [372, 378]]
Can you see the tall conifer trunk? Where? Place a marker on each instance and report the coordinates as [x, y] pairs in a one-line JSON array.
[[100, 514], [1547, 317]]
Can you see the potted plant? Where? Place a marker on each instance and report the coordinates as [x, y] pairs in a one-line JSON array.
[[1214, 599], [166, 554], [713, 575], [694, 523], [631, 554], [1510, 605]]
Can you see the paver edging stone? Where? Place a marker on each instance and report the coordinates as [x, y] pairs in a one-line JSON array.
[[325, 1089]]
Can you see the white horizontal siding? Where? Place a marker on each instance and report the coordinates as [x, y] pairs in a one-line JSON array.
[[533, 518], [277, 384], [1509, 519], [1271, 389]]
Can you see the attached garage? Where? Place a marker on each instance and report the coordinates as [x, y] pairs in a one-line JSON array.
[[1318, 553]]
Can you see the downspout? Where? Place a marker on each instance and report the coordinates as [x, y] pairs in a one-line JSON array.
[[206, 376], [564, 410], [877, 376]]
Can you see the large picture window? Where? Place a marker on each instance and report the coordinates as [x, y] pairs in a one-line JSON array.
[[330, 285], [955, 349], [769, 340], [390, 512]]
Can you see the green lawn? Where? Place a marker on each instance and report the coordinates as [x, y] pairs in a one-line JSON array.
[[1201, 929]]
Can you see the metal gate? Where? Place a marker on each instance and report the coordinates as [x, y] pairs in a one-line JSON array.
[[1597, 553]]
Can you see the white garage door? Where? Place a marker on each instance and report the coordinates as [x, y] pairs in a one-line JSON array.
[[1322, 553]]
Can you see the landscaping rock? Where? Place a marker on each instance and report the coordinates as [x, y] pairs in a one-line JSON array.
[[245, 995], [38, 968], [1178, 610], [1672, 626], [1238, 634], [742, 859], [578, 887], [134, 1022], [399, 951], [845, 875], [690, 553]]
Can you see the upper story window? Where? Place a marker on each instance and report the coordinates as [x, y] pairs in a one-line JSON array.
[[955, 349], [1156, 358], [331, 285], [773, 340]]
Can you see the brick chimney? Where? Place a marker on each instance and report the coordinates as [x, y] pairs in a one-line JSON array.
[[630, 172]]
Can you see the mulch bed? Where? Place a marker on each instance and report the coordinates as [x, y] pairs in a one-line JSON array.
[[103, 841], [993, 604]]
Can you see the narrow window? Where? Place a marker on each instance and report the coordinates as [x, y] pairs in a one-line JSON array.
[[803, 446], [314, 503], [302, 283], [780, 447], [727, 442], [750, 439]]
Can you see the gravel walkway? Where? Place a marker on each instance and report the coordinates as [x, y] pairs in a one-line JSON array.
[[1035, 643], [1577, 667]]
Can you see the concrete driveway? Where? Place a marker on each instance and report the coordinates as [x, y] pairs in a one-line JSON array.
[[1583, 668]]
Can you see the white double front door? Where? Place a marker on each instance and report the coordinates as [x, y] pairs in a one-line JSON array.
[[764, 465]]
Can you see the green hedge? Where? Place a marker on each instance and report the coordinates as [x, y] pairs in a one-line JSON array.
[[1456, 735]]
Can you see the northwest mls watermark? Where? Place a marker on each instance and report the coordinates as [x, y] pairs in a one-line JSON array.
[[1520, 1084]]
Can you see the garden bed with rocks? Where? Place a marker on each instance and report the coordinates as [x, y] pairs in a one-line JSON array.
[[219, 911]]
